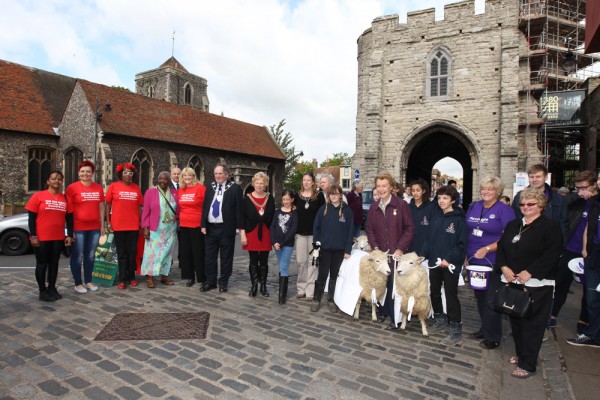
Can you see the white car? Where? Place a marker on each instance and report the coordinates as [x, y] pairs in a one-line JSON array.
[[14, 235]]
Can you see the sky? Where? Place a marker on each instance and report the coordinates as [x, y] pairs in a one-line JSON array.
[[265, 60]]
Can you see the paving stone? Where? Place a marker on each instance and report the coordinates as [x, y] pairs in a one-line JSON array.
[[432, 393], [178, 373], [348, 384], [210, 363], [108, 366], [208, 374], [365, 380], [152, 390], [54, 388], [206, 386], [254, 380], [88, 355], [137, 355], [28, 352], [376, 394], [96, 393], [288, 394], [162, 353], [158, 364], [237, 386], [129, 377], [77, 382], [23, 391], [43, 361], [280, 370], [128, 393]]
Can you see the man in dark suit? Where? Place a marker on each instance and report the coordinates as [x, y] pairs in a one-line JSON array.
[[175, 172], [221, 217]]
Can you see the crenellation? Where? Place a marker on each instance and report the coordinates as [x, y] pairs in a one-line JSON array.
[[421, 17], [457, 11]]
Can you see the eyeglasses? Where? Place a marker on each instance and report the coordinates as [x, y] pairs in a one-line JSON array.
[[127, 173], [527, 204], [581, 187]]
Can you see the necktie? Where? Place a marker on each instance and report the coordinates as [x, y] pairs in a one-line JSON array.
[[177, 185], [216, 203]]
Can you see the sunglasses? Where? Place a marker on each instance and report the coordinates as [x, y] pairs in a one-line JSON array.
[[527, 204], [127, 173]]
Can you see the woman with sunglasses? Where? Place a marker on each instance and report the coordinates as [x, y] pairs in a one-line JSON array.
[[527, 255], [123, 210]]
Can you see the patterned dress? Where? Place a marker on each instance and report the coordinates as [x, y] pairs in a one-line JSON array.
[[158, 252]]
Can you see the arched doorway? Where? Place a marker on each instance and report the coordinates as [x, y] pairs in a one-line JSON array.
[[434, 143]]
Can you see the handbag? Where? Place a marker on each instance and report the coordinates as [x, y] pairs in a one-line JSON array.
[[513, 300]]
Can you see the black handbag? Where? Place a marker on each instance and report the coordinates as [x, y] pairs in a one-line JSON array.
[[513, 300]]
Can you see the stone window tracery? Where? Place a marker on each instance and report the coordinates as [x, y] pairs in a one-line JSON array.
[[196, 164], [143, 164], [40, 163], [439, 73], [73, 157], [188, 94]]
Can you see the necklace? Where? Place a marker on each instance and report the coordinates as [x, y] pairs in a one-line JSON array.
[[518, 235], [261, 208], [306, 200]]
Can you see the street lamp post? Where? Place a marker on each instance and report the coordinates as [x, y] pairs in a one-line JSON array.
[[97, 116]]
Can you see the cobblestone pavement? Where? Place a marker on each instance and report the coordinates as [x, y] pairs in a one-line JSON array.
[[255, 349]]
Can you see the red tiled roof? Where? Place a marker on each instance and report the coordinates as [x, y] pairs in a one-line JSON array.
[[172, 62], [140, 116], [32, 100]]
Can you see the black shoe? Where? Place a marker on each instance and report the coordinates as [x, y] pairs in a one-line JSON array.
[[54, 293], [488, 344], [392, 326], [46, 296], [223, 288], [381, 318], [476, 335], [208, 286]]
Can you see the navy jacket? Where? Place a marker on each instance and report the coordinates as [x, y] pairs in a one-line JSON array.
[[422, 217], [447, 239], [333, 232]]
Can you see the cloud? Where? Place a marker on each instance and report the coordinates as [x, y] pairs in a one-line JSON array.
[[265, 60]]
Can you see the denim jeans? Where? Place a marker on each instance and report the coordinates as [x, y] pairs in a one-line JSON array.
[[283, 257], [83, 249]]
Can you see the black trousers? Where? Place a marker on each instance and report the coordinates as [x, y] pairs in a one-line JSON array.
[[388, 306], [437, 276], [126, 244], [528, 333], [491, 320], [564, 278], [191, 254], [46, 262], [218, 245], [330, 262]]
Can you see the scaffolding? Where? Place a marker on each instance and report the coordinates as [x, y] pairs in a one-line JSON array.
[[556, 67]]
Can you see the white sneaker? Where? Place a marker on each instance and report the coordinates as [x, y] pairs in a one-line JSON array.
[[80, 289], [91, 287]]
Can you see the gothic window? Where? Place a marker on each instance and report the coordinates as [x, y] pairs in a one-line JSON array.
[[72, 159], [438, 73], [143, 165], [196, 164], [151, 91], [188, 94], [40, 163]]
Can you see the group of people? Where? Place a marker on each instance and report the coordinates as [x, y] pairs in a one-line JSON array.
[[522, 244]]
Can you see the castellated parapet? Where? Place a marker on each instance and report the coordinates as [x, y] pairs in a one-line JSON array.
[[396, 112]]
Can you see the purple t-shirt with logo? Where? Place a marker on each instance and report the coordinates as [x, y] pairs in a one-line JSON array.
[[491, 222]]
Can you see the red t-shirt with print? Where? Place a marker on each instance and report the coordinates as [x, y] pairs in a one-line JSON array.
[[191, 200], [84, 201], [125, 201], [51, 210]]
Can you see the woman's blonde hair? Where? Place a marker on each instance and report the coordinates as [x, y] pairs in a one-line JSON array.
[[187, 171], [260, 175], [534, 194], [492, 182]]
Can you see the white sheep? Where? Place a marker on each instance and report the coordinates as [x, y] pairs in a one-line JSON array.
[[372, 277], [411, 291], [362, 243]]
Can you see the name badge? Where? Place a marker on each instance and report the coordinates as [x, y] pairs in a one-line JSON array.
[[477, 232]]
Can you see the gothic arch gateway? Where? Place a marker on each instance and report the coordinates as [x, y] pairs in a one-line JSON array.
[[427, 146]]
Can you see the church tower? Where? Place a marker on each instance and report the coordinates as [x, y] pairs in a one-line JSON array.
[[173, 83]]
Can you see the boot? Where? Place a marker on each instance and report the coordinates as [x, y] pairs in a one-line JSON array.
[[254, 280], [440, 325], [54, 293], [330, 293], [283, 287], [316, 302], [262, 279], [455, 337]]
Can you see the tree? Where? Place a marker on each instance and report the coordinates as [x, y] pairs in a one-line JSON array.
[[295, 182], [284, 140], [121, 88], [337, 159]]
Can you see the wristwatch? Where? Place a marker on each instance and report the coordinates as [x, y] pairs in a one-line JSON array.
[[488, 248]]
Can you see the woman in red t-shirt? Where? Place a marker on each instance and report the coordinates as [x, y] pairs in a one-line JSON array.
[[47, 214], [123, 210], [191, 239], [85, 200], [259, 208]]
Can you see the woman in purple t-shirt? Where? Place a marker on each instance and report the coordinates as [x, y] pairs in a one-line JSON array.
[[486, 220]]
